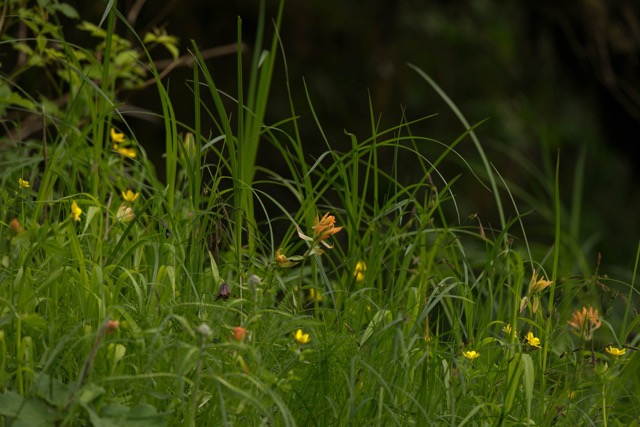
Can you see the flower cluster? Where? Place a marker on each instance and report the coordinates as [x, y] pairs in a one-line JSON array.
[[585, 321], [323, 228], [120, 144]]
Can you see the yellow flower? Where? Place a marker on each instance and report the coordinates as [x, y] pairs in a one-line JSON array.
[[614, 351], [301, 337], [532, 340], [130, 196], [472, 354], [324, 228], [315, 295], [23, 184], [358, 272], [585, 321], [117, 136], [509, 330], [75, 211], [538, 285], [128, 152]]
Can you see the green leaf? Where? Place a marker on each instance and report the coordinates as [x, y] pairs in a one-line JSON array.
[[529, 379], [52, 390], [28, 411]]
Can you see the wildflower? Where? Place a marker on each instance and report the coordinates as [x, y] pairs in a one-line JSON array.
[[15, 226], [116, 136], [127, 152], [302, 338], [23, 184], [324, 228], [205, 331], [315, 295], [125, 214], [358, 272], [111, 326], [538, 285], [239, 333], [585, 321], [472, 354], [255, 280], [282, 260], [509, 330], [532, 340], [129, 196], [75, 211], [615, 351], [223, 292]]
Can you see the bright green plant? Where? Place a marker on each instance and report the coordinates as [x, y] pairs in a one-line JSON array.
[[129, 301]]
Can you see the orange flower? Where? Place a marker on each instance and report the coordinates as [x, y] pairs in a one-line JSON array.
[[239, 333], [111, 326], [15, 226], [585, 321], [538, 285], [325, 227]]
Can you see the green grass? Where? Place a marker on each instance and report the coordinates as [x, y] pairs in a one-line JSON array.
[[119, 318]]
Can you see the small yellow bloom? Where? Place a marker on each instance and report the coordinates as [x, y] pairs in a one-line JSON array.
[[23, 184], [509, 330], [538, 285], [472, 354], [117, 136], [315, 295], [585, 321], [532, 340], [130, 196], [128, 152], [75, 211], [358, 272], [614, 351], [301, 337]]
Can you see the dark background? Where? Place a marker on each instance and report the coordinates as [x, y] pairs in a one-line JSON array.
[[550, 77]]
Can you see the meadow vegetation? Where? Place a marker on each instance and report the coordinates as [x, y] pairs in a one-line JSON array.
[[335, 292]]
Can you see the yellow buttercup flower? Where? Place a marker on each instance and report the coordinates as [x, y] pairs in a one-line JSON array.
[[472, 354], [75, 211], [315, 295], [302, 338], [128, 152], [23, 184], [117, 136], [532, 340], [130, 196], [614, 351], [358, 272]]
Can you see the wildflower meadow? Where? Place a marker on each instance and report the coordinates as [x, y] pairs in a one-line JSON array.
[[207, 289]]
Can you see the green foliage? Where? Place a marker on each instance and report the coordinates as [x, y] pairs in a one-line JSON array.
[[125, 300]]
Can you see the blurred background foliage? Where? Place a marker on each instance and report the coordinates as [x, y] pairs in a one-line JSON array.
[[550, 77]]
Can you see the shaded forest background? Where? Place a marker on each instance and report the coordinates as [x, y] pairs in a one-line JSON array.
[[549, 76]]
